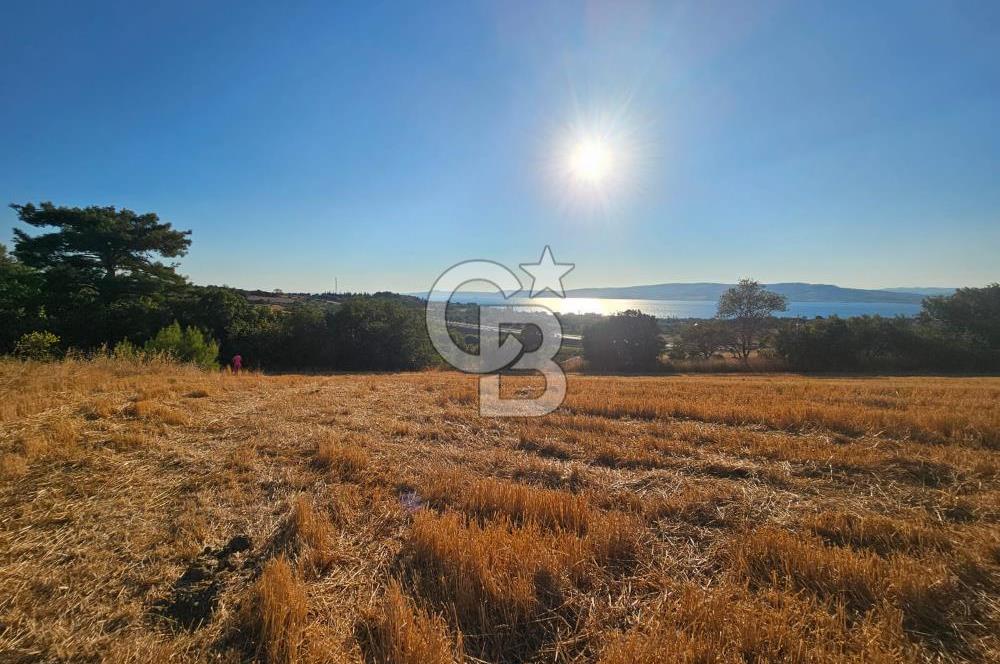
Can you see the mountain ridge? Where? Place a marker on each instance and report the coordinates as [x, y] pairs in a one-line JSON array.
[[795, 291]]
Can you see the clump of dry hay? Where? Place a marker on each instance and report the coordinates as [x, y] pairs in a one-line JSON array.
[[399, 632], [489, 499], [926, 597], [724, 625], [274, 614], [314, 535], [347, 458], [878, 533], [148, 409]]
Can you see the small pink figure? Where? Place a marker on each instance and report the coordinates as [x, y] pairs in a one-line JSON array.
[[237, 363]]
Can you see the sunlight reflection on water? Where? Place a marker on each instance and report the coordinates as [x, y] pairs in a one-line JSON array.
[[706, 309]]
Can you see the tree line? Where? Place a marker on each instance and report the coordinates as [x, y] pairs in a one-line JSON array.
[[960, 333], [97, 278]]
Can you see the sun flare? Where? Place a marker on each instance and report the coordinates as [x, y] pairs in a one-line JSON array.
[[591, 161], [594, 162]]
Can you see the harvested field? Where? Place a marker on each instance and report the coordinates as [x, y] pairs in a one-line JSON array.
[[158, 513]]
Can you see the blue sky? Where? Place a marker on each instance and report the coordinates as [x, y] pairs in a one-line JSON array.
[[854, 143]]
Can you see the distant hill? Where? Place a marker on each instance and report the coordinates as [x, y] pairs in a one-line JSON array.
[[923, 290], [710, 292], [794, 291]]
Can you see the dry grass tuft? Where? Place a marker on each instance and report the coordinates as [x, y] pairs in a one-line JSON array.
[[63, 438], [616, 540], [274, 614], [877, 533], [13, 466], [314, 535], [500, 582], [123, 441], [926, 597], [698, 504], [550, 448], [147, 409], [243, 458], [101, 408], [489, 499], [399, 632], [190, 529], [774, 557], [348, 459], [725, 625]]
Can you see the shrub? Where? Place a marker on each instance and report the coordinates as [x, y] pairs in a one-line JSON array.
[[629, 341], [872, 343], [380, 334], [970, 311], [186, 345], [703, 339], [128, 351], [40, 345]]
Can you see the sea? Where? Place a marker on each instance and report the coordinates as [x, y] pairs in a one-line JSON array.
[[697, 309]]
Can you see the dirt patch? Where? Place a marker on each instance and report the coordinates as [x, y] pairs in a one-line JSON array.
[[195, 595]]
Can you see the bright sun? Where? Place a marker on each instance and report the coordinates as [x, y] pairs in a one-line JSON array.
[[591, 161]]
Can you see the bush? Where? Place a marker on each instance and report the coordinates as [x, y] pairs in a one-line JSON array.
[[361, 334], [704, 339], [629, 341], [300, 338], [381, 334], [40, 345], [186, 345], [126, 350], [869, 343], [973, 312]]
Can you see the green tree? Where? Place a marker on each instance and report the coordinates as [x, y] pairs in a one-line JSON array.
[[749, 306], [706, 338], [260, 339], [102, 240], [101, 269], [218, 310], [20, 300], [970, 311], [628, 341], [873, 343], [187, 344], [38, 345], [308, 340], [380, 334]]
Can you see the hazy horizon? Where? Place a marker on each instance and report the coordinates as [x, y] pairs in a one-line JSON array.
[[850, 144], [567, 281]]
